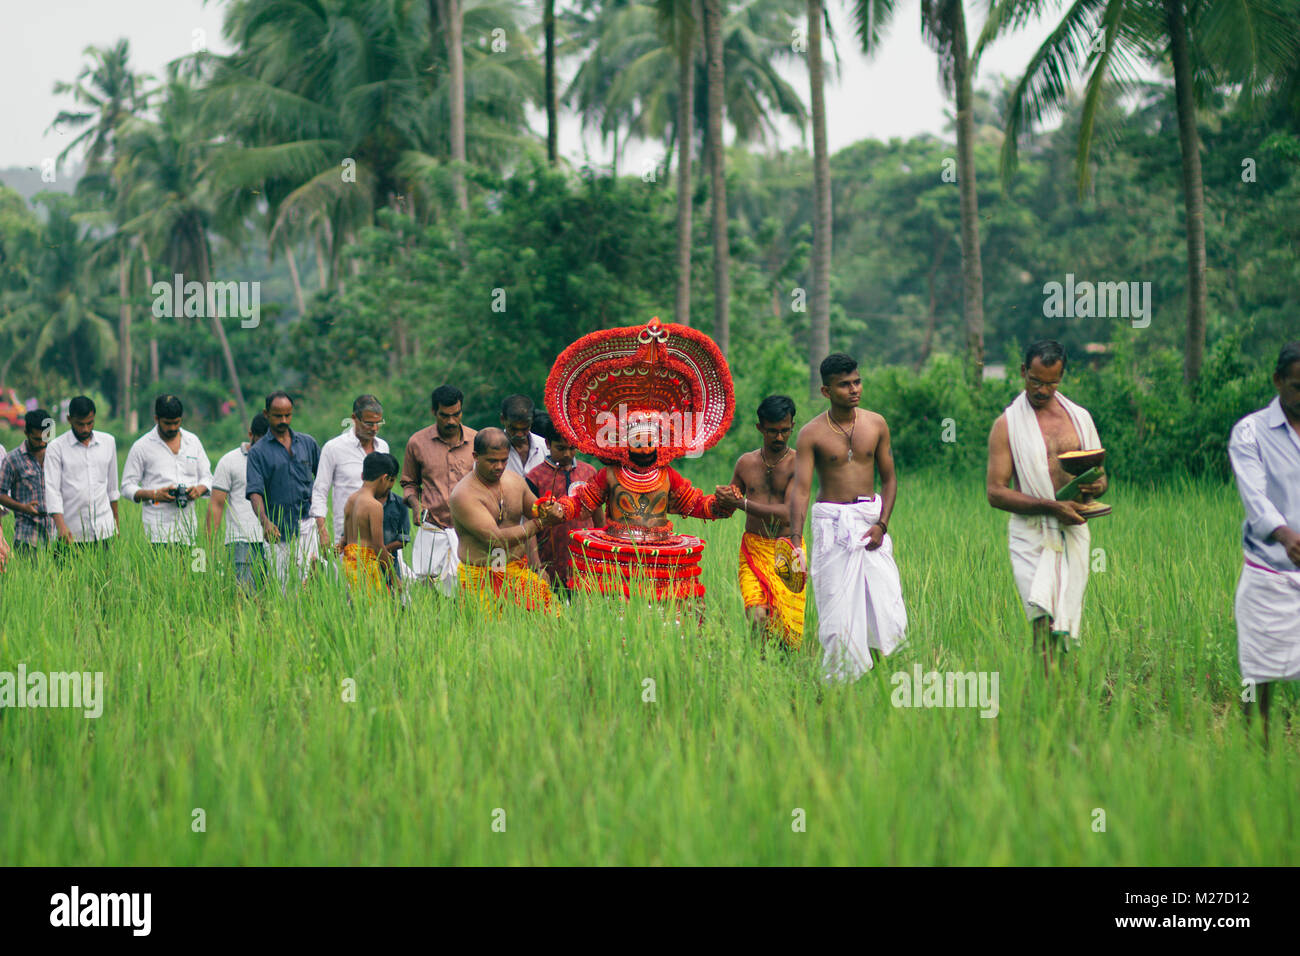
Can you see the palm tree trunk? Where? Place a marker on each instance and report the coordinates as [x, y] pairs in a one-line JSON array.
[[685, 137], [1189, 142], [76, 366], [124, 335], [297, 282], [153, 320], [972, 274], [205, 266], [940, 247], [320, 261], [819, 324], [453, 26], [552, 111], [717, 171]]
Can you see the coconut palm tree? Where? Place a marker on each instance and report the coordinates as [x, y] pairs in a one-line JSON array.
[[1250, 43], [107, 92], [166, 169], [943, 26]]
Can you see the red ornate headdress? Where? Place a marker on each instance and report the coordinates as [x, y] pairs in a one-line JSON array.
[[654, 384]]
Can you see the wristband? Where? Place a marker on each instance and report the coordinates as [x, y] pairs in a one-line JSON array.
[[884, 528]]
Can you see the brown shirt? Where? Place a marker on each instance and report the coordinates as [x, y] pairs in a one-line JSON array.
[[431, 469]]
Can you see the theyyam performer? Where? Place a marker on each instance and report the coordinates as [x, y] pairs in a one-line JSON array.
[[637, 398]]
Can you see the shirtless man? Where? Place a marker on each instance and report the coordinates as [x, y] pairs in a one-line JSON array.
[[855, 580], [1049, 538], [367, 564], [486, 508], [761, 486]]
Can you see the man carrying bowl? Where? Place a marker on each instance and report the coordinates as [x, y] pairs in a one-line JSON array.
[[1049, 537]]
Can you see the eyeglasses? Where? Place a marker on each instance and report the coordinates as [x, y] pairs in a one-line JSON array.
[[377, 424]]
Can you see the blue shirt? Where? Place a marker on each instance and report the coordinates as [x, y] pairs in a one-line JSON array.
[[1265, 454], [397, 519], [283, 478]]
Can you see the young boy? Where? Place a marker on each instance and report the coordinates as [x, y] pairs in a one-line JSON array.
[[366, 561], [557, 476]]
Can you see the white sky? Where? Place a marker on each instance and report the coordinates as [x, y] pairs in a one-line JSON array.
[[894, 95]]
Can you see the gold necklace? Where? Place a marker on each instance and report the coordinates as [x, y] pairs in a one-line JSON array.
[[775, 463], [848, 436]]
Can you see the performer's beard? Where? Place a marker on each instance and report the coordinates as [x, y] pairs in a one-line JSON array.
[[643, 459]]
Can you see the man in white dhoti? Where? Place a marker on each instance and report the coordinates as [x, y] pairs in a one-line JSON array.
[[1050, 541], [860, 610], [1265, 454], [436, 459]]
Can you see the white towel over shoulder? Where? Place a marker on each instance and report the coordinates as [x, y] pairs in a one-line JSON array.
[[1050, 561]]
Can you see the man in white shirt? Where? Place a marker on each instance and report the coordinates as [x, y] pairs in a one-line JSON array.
[[244, 538], [340, 467], [81, 479], [527, 450], [162, 462]]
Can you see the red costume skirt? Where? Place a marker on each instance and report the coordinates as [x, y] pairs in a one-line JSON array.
[[666, 569]]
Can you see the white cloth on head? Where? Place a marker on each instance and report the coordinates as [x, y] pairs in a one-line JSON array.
[[1268, 624], [1049, 560], [859, 596], [433, 555]]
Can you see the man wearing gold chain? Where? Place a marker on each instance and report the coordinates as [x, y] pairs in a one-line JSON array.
[[760, 486], [860, 608]]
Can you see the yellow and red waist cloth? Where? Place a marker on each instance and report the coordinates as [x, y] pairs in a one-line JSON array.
[[760, 587], [513, 582]]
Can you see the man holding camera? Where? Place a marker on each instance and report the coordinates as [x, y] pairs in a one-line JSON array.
[[167, 470]]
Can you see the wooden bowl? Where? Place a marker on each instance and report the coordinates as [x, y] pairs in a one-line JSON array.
[[1077, 462]]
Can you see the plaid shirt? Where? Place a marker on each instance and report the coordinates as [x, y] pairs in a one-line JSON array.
[[23, 479]]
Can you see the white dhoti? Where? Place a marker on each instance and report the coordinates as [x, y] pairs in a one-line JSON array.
[[433, 555], [1268, 624], [859, 596], [299, 552], [1049, 560]]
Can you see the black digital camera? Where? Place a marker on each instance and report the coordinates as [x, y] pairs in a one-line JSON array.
[[182, 497]]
